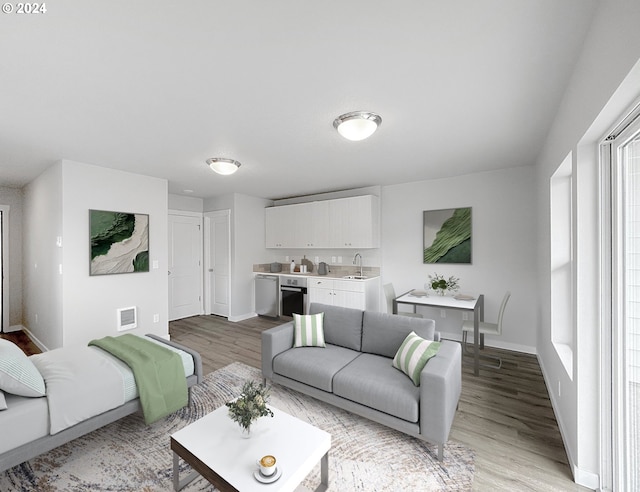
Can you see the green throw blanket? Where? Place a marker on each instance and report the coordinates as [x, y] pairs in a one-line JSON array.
[[158, 371]]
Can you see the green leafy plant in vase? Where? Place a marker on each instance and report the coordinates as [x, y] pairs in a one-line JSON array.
[[249, 406], [441, 285]]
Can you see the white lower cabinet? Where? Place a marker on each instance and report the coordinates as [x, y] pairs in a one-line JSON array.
[[357, 294]]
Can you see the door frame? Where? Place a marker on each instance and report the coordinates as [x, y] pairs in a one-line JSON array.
[[186, 213], [207, 258], [4, 231], [612, 410]]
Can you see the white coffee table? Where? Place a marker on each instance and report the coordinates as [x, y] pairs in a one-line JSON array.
[[216, 450]]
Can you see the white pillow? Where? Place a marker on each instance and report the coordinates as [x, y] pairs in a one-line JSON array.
[[308, 330], [18, 375], [3, 402], [413, 355]]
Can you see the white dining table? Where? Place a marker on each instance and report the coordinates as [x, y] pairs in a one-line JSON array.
[[474, 305]]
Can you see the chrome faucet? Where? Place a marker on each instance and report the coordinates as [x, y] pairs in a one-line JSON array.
[[355, 260]]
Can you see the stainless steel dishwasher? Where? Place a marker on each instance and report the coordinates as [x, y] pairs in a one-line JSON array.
[[267, 295]]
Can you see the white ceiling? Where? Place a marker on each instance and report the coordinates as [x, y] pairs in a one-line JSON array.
[[157, 87]]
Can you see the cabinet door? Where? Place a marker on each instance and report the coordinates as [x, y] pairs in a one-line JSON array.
[[320, 230], [355, 222], [321, 296], [355, 300], [280, 227], [272, 227]]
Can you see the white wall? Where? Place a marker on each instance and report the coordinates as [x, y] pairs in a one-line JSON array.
[[74, 307], [247, 247], [595, 97], [42, 294], [503, 246], [185, 203], [90, 303], [13, 198]]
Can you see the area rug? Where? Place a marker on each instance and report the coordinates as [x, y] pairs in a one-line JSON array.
[[131, 456]]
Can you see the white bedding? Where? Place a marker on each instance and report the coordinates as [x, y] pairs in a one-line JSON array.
[[82, 382], [128, 379], [80, 385]]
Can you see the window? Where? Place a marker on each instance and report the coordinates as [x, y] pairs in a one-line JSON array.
[[562, 262], [621, 154]]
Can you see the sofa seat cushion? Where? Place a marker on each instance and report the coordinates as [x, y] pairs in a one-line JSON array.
[[314, 366], [372, 381]]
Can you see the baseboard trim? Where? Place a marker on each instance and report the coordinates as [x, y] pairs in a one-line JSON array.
[[242, 317], [35, 340], [13, 328], [581, 477]]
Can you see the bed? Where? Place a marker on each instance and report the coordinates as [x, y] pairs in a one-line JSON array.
[[28, 422]]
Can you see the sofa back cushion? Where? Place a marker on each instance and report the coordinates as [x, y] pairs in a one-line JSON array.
[[382, 333], [342, 326]]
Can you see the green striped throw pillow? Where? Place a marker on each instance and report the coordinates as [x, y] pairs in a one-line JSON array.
[[308, 330], [18, 375], [413, 355]]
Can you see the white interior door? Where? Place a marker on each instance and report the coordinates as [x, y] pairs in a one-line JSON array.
[[218, 262], [185, 266]]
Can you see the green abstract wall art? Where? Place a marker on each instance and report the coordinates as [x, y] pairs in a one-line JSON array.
[[447, 235], [119, 242]]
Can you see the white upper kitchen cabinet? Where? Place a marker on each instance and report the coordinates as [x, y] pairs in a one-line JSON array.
[[355, 222], [342, 223], [312, 230], [280, 226]]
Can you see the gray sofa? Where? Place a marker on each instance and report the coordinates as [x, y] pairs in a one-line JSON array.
[[354, 370], [26, 426]]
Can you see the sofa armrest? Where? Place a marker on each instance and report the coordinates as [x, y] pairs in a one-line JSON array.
[[275, 341], [440, 388]]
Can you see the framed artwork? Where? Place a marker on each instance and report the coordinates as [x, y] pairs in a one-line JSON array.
[[447, 235], [119, 242]]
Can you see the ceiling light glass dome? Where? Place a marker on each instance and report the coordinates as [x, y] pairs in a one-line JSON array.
[[223, 166], [357, 125]]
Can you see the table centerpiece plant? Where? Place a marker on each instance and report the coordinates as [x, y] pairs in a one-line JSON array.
[[249, 406], [439, 284]]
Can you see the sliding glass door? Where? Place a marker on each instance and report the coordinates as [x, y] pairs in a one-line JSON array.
[[624, 154]]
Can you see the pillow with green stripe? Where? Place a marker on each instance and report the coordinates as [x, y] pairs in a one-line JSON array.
[[18, 375], [308, 330], [413, 355]]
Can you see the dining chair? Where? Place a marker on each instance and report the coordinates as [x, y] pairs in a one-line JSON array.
[[486, 329], [390, 295]]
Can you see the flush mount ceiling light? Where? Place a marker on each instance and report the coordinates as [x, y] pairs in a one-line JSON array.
[[222, 165], [357, 125]]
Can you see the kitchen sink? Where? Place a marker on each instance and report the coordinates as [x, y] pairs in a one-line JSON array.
[[355, 277]]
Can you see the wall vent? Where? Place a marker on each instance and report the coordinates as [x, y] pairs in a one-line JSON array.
[[127, 318]]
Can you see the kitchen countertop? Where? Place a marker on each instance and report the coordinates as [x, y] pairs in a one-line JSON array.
[[337, 276]]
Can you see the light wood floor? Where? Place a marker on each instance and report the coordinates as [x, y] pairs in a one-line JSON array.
[[505, 415]]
